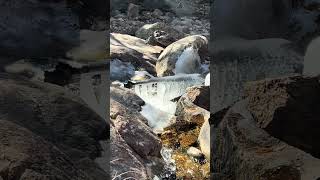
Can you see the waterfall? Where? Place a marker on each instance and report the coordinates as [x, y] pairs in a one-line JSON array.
[[158, 94]]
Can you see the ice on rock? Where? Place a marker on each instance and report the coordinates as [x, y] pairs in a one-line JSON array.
[[158, 94]]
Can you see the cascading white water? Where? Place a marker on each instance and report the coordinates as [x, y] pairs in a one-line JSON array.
[[158, 94]]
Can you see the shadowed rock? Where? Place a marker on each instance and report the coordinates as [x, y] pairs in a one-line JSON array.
[[241, 150], [55, 115], [37, 28], [24, 155], [288, 109]]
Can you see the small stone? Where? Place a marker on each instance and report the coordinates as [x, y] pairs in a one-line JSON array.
[[133, 10], [194, 152]]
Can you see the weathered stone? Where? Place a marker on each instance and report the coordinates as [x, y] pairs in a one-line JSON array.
[[24, 155], [131, 49], [199, 95], [54, 114], [116, 109], [242, 60], [124, 162], [127, 98], [241, 150], [288, 109], [137, 134], [167, 60], [194, 105]]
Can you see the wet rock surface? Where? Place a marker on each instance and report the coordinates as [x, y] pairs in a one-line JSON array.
[[187, 137], [141, 32]]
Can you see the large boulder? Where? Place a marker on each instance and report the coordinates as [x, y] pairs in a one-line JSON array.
[[194, 105], [241, 150], [50, 29], [199, 95], [126, 97], [143, 145], [237, 61], [124, 162], [135, 50], [25, 155], [288, 109], [55, 115], [134, 131], [166, 63]]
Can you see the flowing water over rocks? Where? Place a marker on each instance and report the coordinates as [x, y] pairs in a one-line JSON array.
[[145, 43], [159, 95]]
